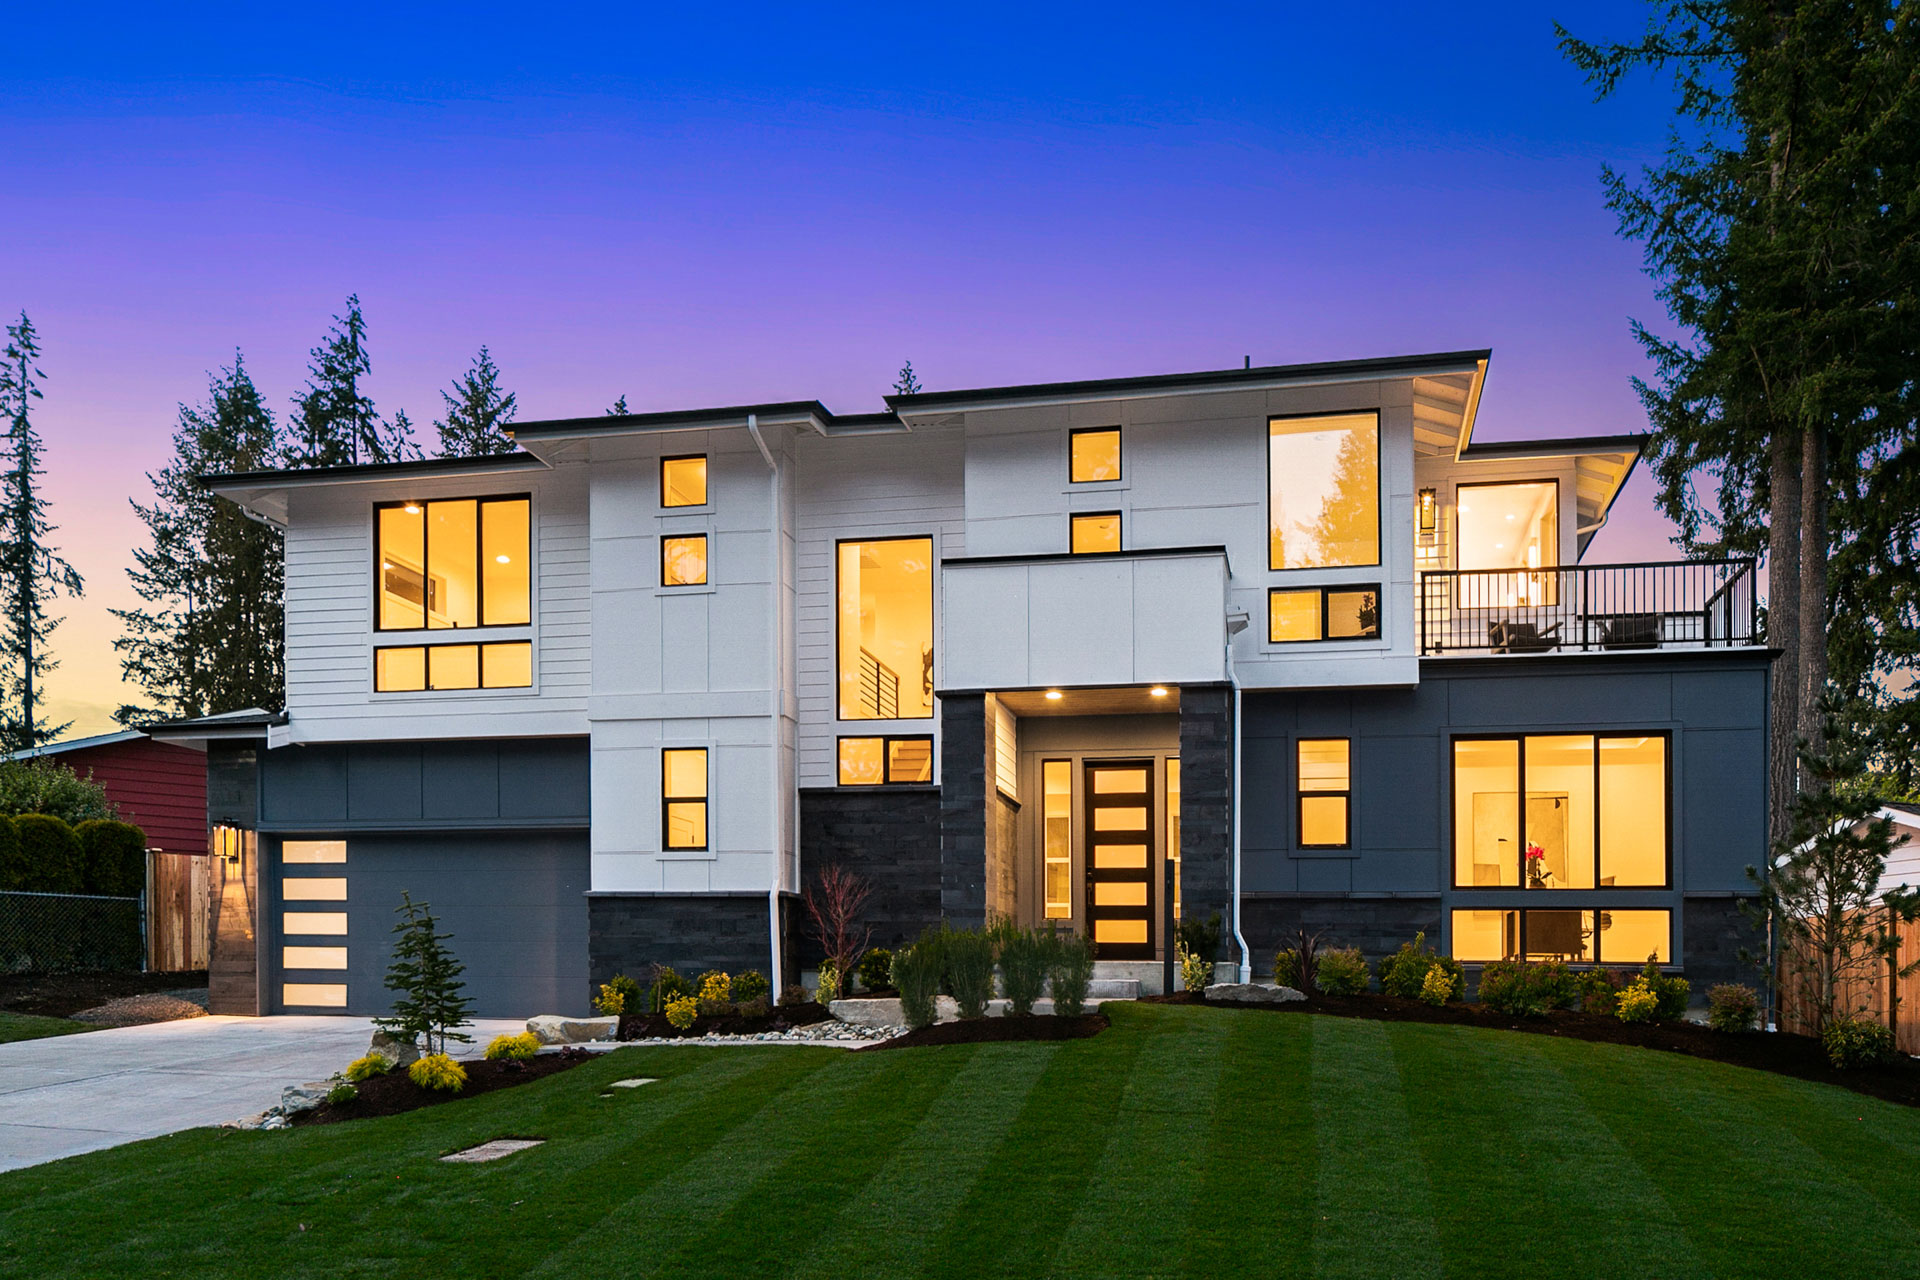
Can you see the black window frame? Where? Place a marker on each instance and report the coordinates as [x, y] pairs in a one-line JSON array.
[[480, 660], [426, 559], [886, 741], [1326, 590], [1599, 959], [933, 627], [1300, 794], [704, 800], [1120, 442], [1379, 485], [1119, 531], [706, 560], [685, 506], [1520, 841]]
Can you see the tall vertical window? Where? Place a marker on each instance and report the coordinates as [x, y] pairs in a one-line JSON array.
[[1325, 787], [683, 482], [460, 562], [1093, 455], [885, 629], [1560, 811], [1173, 829], [1099, 531], [1056, 836], [683, 561], [683, 797], [1323, 491]]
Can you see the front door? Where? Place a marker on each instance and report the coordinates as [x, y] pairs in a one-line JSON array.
[[1120, 831]]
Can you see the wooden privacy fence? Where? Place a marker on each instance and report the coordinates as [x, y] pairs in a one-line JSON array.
[[179, 893], [1877, 992]]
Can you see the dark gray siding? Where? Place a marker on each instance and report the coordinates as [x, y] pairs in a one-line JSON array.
[[527, 782], [692, 932]]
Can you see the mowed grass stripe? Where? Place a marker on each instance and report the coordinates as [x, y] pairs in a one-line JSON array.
[[1013, 1219], [1156, 1146], [786, 1206], [635, 1239], [1261, 1159], [1502, 1113], [1373, 1203], [888, 1227], [1715, 1140]]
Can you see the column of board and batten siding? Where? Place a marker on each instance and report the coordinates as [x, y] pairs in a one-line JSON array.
[[893, 485]]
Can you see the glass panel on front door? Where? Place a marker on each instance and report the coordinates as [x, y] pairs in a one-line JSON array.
[[1120, 836]]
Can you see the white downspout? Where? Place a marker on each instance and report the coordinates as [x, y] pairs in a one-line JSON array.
[[1246, 956], [776, 809]]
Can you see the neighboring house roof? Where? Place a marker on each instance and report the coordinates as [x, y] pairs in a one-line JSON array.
[[159, 787], [75, 744], [1903, 862], [248, 724]]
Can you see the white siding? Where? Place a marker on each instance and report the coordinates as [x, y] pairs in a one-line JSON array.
[[330, 635]]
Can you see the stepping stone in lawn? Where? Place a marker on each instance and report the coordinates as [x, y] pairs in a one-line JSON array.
[[634, 1083], [495, 1150]]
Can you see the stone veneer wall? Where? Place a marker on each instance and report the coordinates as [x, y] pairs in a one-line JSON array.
[[1206, 807], [626, 932], [1375, 925], [964, 773], [1712, 933], [890, 837]]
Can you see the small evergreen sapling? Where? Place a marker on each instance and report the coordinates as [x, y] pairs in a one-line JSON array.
[[425, 980]]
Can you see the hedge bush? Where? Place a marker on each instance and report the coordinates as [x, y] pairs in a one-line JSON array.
[[1404, 973], [13, 863], [1072, 975], [1525, 990], [1855, 1042], [52, 855], [1733, 1007], [750, 986], [1343, 972], [113, 857], [970, 958], [916, 972], [876, 969]]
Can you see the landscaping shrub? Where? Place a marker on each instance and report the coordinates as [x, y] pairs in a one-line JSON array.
[[750, 986], [515, 1048], [1342, 972], [1404, 973], [368, 1067], [828, 988], [1439, 987], [794, 993], [633, 996], [758, 1007], [1733, 1007], [1201, 937], [681, 1012], [1286, 968], [341, 1094], [969, 954], [1196, 972], [665, 986], [50, 854], [13, 864], [876, 969], [1852, 1043], [916, 972], [1072, 975], [113, 857], [439, 1072], [1600, 992], [1637, 1003], [1525, 990], [611, 1002], [716, 993], [1026, 956], [1670, 994], [429, 997]]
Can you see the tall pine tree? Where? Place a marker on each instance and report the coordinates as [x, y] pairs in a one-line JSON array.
[[32, 574], [333, 422], [210, 636], [476, 413]]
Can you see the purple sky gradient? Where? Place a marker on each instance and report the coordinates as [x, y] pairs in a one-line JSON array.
[[778, 207]]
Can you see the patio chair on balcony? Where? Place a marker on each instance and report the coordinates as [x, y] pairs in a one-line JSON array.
[[1630, 631], [1522, 637]]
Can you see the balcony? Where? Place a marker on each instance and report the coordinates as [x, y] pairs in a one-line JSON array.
[[1689, 604]]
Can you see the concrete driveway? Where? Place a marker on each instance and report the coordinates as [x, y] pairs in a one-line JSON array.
[[68, 1094]]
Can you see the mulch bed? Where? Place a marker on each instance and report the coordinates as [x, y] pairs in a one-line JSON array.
[[393, 1093], [647, 1026], [997, 1031], [1783, 1054], [55, 995]]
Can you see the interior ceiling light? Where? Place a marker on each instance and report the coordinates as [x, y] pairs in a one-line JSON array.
[[1158, 691], [412, 508], [1054, 695], [503, 559]]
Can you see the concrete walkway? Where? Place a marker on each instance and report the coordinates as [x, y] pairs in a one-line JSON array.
[[67, 1094]]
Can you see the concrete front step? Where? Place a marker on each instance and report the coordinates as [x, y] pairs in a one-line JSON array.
[[1114, 989]]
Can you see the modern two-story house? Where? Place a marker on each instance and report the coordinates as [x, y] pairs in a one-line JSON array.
[[1280, 643]]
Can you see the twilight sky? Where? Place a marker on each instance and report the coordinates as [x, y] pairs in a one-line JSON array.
[[773, 204]]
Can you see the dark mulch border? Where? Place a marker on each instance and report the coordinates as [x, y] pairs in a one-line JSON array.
[[55, 995], [393, 1093], [1778, 1052], [997, 1031], [647, 1026]]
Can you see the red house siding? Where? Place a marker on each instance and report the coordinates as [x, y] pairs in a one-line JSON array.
[[160, 788]]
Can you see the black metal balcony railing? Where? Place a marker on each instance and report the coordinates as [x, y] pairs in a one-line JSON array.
[[1684, 604]]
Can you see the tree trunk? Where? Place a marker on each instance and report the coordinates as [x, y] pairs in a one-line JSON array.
[[1813, 587], [1783, 626]]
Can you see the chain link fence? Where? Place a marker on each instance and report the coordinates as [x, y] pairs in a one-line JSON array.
[[70, 933]]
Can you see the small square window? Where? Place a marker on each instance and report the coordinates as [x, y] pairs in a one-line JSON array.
[[683, 482], [453, 666], [1353, 614], [1293, 616], [1095, 455], [1096, 532], [399, 670], [683, 561]]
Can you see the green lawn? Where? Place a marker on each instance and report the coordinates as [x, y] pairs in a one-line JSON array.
[[1183, 1142], [25, 1026]]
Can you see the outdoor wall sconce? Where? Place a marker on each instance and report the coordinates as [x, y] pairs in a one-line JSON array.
[[1429, 512]]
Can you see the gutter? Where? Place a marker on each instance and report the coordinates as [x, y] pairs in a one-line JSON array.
[[775, 851], [1246, 956]]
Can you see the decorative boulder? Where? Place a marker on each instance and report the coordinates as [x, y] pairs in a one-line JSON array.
[[1251, 993], [303, 1097], [869, 1011], [552, 1028], [401, 1053]]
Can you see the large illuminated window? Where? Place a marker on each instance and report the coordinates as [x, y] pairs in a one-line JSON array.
[[1591, 936], [1508, 526], [1560, 811], [886, 629], [683, 798], [1324, 779], [417, 668], [458, 562], [1323, 491]]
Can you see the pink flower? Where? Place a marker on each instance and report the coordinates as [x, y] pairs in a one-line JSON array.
[[1535, 851]]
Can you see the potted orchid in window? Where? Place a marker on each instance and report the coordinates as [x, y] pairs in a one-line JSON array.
[[1537, 873]]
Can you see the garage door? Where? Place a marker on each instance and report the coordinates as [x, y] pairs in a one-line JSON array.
[[515, 906]]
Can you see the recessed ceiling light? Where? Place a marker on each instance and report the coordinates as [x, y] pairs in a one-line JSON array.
[[1054, 695], [1158, 691], [503, 559], [1509, 515], [412, 508], [1499, 546]]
